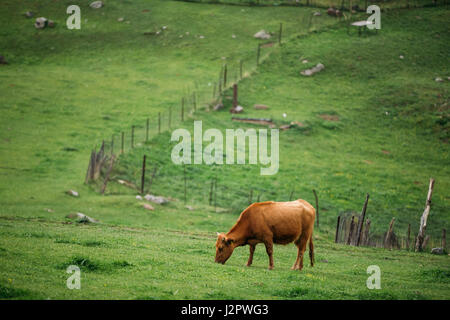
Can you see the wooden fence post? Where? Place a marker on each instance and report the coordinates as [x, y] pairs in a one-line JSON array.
[[350, 233], [143, 174], [123, 142], [444, 242], [317, 206], [423, 219], [257, 54], [366, 233], [235, 95], [112, 145], [408, 236], [336, 237], [159, 122], [182, 109], [250, 197], [361, 221], [170, 117], [225, 76], [211, 192], [214, 91], [290, 196], [388, 239], [132, 137]]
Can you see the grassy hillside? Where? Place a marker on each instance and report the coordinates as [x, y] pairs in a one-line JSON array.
[[66, 90]]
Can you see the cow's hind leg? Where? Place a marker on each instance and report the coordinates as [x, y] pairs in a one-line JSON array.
[[269, 250], [301, 249], [297, 261], [250, 258]]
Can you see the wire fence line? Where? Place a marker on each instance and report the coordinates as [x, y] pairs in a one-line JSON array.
[[357, 5]]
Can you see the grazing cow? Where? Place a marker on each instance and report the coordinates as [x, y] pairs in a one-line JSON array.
[[270, 222]]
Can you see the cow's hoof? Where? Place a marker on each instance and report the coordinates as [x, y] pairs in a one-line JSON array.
[[270, 267], [248, 265], [294, 268]]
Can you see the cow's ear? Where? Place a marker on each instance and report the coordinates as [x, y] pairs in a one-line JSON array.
[[218, 233]]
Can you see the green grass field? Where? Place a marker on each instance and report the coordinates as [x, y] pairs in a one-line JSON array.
[[64, 91]]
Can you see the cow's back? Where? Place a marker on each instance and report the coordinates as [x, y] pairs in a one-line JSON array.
[[284, 221]]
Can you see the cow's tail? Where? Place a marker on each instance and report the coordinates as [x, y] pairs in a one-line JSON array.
[[311, 250]]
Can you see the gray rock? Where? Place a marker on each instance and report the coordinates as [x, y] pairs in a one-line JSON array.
[[317, 13], [262, 34], [437, 251], [40, 23], [121, 19], [310, 72], [96, 5], [438, 79], [29, 14], [156, 199], [81, 218], [73, 193]]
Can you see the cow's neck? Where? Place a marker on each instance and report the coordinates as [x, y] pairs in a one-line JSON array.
[[238, 236]]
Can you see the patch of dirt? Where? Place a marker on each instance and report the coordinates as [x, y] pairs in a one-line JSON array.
[[329, 117]]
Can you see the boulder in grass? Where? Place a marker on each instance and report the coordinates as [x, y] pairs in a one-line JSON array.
[[138, 197], [96, 5], [317, 14], [81, 218], [262, 34], [437, 251], [51, 24], [156, 199], [313, 70], [40, 23], [73, 193], [29, 14], [238, 109]]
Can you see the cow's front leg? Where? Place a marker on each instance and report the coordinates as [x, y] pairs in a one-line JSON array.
[[250, 258], [269, 250]]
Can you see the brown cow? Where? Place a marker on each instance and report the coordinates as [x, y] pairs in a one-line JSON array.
[[270, 222]]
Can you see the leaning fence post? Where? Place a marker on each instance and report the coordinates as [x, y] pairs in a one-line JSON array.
[[143, 174], [290, 196], [317, 207], [423, 219], [112, 145], [132, 136], [388, 239], [361, 220], [336, 237], [107, 175]]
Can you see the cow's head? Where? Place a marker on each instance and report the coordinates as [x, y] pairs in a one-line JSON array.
[[224, 248]]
